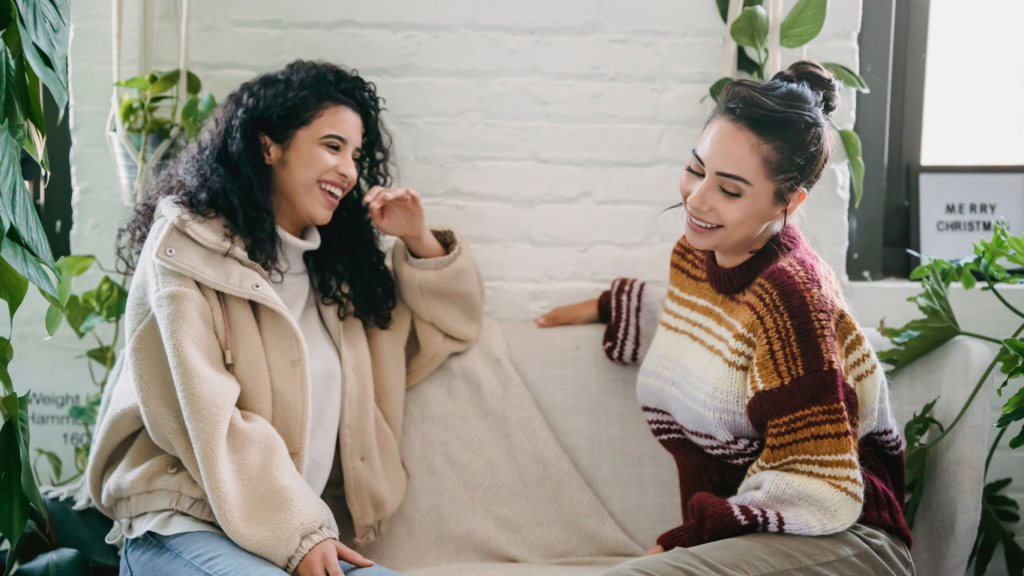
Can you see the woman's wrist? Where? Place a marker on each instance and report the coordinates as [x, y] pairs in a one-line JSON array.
[[425, 245]]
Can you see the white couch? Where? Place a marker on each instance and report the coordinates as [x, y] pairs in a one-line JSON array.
[[590, 406]]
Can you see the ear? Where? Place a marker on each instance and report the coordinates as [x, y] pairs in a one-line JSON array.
[[795, 200], [271, 149]]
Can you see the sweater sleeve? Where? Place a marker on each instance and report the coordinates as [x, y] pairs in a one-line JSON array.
[[807, 480], [446, 298], [257, 494], [630, 309]]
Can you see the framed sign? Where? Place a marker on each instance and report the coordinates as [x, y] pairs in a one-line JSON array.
[[959, 205]]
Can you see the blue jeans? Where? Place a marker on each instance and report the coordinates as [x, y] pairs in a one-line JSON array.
[[205, 554]]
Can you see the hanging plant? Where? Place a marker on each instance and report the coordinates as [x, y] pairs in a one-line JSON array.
[[148, 116]]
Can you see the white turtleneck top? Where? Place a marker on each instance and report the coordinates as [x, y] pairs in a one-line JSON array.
[[298, 296]]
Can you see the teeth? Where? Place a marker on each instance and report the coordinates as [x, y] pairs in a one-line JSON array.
[[331, 189], [703, 225]]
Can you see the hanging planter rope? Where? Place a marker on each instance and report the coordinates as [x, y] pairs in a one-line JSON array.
[[135, 161]]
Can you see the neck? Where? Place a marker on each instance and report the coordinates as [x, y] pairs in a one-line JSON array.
[[292, 228], [734, 259]]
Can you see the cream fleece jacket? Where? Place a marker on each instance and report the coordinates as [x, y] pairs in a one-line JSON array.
[[181, 430]]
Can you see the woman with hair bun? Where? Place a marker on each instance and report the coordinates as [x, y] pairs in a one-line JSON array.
[[252, 423], [753, 374]]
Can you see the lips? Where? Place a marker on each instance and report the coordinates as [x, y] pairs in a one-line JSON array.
[[334, 188], [703, 224]]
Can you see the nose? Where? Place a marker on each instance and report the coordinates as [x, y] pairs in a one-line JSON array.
[[348, 170], [697, 200]]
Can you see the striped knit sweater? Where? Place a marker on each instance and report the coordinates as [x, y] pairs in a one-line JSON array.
[[766, 393]]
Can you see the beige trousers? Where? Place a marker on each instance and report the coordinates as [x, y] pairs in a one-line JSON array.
[[861, 550]]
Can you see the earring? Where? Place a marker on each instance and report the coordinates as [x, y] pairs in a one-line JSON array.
[[785, 217]]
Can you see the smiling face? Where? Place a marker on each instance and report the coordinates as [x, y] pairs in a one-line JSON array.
[[728, 195], [315, 169]]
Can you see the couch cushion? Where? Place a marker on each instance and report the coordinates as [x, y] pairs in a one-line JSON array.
[[488, 480], [591, 407]]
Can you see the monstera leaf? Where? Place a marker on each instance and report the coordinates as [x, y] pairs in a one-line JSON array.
[[922, 335]]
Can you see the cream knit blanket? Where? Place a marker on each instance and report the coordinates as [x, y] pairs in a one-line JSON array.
[[489, 482]]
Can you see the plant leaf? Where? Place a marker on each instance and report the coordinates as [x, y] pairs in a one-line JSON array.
[[744, 63], [716, 88], [54, 315], [14, 506], [49, 30], [916, 457], [851, 143], [27, 265], [1013, 411], [847, 76], [194, 85], [6, 355], [83, 530], [751, 28], [103, 355], [13, 287], [55, 464], [803, 23], [723, 7], [60, 562], [138, 82], [920, 336], [164, 83], [18, 405], [16, 206], [992, 531], [77, 265]]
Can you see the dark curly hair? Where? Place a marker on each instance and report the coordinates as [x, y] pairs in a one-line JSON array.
[[224, 175]]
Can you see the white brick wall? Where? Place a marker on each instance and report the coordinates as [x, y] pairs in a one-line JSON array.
[[552, 133]]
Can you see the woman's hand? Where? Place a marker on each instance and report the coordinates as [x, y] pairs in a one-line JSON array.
[[580, 313], [656, 550], [323, 559], [399, 212]]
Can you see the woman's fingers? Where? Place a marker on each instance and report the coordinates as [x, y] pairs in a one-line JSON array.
[[351, 556], [372, 194], [580, 313]]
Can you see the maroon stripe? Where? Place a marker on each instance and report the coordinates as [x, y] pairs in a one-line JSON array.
[[639, 301], [620, 351]]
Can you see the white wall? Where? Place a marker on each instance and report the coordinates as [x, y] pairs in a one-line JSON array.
[[551, 132]]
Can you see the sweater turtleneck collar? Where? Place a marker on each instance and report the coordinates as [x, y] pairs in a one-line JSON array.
[[293, 249], [734, 280]]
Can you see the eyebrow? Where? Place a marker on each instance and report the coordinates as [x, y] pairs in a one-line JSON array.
[[722, 174]]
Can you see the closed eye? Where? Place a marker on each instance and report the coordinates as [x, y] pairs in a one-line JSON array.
[[694, 172], [334, 147], [729, 194]]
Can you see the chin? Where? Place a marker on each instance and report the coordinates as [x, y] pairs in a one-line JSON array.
[[698, 241]]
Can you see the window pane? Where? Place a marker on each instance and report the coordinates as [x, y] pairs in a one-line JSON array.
[[974, 87]]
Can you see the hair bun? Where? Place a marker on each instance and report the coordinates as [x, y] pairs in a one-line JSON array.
[[819, 79]]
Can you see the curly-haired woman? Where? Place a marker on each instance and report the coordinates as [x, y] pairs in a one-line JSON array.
[[754, 376], [268, 345]]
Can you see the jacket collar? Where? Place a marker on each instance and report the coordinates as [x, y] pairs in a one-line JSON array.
[[201, 249]]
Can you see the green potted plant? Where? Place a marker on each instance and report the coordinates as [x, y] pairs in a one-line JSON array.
[[33, 54], [149, 116], [996, 261]]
